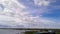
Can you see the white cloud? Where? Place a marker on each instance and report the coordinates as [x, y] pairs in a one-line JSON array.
[[42, 2], [13, 16], [9, 12]]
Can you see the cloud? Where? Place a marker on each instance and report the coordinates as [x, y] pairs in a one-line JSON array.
[[15, 16], [9, 12], [42, 2]]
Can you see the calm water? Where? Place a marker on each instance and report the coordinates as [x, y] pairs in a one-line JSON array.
[[3, 31]]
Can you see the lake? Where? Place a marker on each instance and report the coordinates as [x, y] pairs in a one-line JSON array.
[[3, 31]]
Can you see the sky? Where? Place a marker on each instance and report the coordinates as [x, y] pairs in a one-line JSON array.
[[30, 14]]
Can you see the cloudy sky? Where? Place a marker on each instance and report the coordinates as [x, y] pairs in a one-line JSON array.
[[30, 14]]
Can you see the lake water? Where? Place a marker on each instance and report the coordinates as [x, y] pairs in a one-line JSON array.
[[3, 31]]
